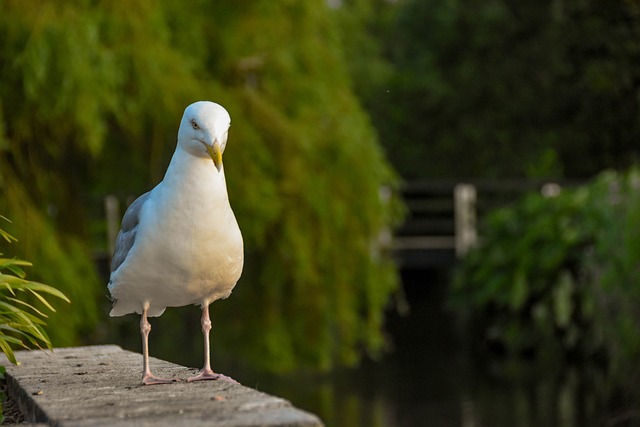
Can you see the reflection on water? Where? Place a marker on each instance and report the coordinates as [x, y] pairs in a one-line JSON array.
[[428, 379]]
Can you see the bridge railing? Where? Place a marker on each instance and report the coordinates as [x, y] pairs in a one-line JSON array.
[[443, 218]]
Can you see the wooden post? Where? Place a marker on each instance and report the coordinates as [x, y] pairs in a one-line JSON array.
[[466, 234]]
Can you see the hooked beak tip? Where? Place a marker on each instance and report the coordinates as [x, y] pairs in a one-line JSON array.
[[215, 152]]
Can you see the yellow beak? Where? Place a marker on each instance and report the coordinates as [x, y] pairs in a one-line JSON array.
[[216, 154]]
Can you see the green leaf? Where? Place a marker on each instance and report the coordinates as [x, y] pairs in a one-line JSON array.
[[6, 236], [6, 349], [40, 287], [13, 281], [11, 339], [18, 301], [42, 300]]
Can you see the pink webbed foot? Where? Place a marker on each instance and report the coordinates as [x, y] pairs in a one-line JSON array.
[[208, 375], [149, 379]]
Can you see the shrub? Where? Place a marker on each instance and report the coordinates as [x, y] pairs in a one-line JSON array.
[[561, 272], [21, 323]]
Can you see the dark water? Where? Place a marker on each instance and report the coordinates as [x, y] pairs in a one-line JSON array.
[[428, 378]]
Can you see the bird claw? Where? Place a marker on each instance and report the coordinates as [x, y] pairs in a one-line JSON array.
[[152, 380], [208, 375]]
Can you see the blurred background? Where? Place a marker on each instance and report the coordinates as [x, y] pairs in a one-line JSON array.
[[440, 199]]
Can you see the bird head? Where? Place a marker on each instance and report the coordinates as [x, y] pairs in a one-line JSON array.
[[204, 130]]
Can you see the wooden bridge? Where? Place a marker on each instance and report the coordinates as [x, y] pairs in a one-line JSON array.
[[441, 225]]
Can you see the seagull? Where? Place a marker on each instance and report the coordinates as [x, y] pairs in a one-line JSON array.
[[180, 244]]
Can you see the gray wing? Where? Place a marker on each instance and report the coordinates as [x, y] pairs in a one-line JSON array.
[[127, 235]]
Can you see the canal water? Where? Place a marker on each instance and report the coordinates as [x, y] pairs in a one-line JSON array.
[[431, 377]]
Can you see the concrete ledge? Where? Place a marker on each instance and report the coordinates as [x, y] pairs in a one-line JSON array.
[[100, 386]]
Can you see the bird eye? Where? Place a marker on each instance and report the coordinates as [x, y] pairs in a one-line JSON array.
[[195, 124]]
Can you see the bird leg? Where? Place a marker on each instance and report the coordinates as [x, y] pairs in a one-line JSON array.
[[147, 377], [206, 373]]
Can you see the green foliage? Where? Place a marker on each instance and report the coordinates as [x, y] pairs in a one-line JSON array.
[[503, 88], [90, 99], [21, 322], [561, 272]]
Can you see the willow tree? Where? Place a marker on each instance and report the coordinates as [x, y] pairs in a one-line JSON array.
[[91, 95]]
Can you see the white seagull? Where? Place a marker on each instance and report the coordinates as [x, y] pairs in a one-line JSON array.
[[180, 243]]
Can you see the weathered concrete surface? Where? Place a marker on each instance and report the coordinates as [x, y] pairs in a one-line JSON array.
[[100, 386]]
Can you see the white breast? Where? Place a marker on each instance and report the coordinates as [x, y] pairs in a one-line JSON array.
[[188, 247]]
